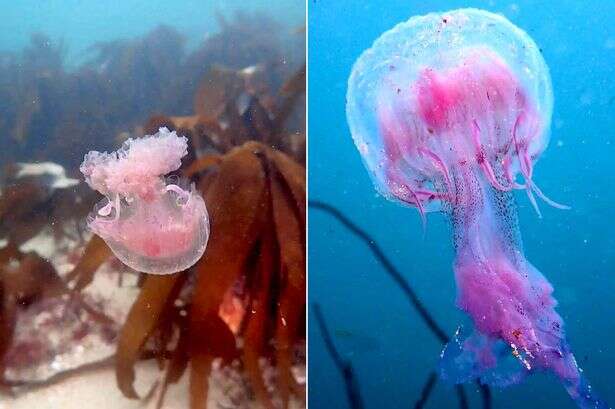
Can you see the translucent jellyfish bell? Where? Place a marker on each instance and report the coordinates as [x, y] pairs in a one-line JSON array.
[[465, 88], [151, 224]]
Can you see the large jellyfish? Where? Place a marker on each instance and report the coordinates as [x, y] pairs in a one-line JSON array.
[[449, 112], [151, 224]]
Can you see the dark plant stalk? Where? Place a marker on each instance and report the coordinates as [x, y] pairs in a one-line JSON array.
[[485, 394], [17, 387], [414, 301], [28, 386], [393, 272], [426, 391], [343, 365], [461, 396]]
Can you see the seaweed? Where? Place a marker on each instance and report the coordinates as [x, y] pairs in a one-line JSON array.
[[353, 391], [232, 107], [48, 105], [256, 197], [31, 203]]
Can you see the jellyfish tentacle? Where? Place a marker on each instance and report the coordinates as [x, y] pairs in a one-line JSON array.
[[419, 205], [176, 189], [106, 209], [439, 165], [414, 200], [405, 193], [548, 200], [524, 166], [117, 208], [533, 201], [522, 163], [527, 170], [506, 164], [483, 162], [183, 194]]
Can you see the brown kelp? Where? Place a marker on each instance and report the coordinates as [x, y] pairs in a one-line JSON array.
[[258, 239], [38, 196], [232, 107]]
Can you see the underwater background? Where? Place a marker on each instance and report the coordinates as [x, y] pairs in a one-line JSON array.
[[83, 23], [369, 318], [114, 65], [76, 324]]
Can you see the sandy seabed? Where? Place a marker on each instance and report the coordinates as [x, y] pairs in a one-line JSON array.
[[97, 388]]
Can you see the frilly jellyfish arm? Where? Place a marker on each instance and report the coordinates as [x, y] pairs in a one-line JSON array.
[[447, 111], [150, 225]]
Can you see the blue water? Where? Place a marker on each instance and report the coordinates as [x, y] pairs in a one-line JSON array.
[[80, 23], [371, 321]]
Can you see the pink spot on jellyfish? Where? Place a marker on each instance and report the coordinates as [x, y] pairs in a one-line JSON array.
[[151, 224], [450, 112]]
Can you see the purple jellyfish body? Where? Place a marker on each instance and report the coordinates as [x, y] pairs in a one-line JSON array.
[[449, 111], [151, 224]]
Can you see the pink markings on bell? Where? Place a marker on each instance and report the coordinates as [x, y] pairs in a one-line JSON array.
[[470, 114], [150, 224]]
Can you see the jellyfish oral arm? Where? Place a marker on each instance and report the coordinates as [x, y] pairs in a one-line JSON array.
[[507, 298]]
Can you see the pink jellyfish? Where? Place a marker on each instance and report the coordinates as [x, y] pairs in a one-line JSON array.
[[151, 224], [449, 111]]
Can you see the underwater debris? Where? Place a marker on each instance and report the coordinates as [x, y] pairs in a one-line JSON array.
[[426, 390], [390, 269]]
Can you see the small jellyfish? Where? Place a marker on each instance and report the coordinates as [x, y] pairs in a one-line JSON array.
[[449, 111], [151, 223]]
